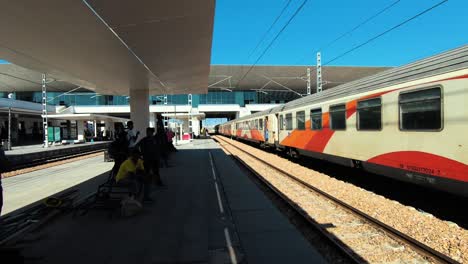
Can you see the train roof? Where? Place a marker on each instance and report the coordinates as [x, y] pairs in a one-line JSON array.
[[442, 63], [261, 113], [438, 64]]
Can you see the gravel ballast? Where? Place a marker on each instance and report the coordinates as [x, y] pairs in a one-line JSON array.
[[443, 236]]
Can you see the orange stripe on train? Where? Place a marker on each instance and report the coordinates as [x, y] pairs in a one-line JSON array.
[[425, 163]]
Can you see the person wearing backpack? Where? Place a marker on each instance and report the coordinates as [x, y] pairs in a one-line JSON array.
[[149, 148], [118, 150], [161, 140]]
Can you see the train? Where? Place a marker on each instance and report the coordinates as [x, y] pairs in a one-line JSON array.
[[409, 123]]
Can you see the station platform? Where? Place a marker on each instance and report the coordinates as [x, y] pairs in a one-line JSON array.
[[25, 190], [210, 212], [26, 154]]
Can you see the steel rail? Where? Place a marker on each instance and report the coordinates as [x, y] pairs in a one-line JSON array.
[[45, 161], [413, 243], [348, 251]]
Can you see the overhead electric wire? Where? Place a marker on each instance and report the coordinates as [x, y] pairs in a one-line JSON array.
[[385, 32], [269, 29], [273, 41], [356, 27]]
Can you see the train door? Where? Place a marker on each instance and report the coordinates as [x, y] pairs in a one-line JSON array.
[[273, 128], [278, 126]]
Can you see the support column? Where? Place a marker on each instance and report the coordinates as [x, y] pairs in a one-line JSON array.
[[95, 128], [152, 120], [139, 108], [195, 126], [110, 130], [80, 129]]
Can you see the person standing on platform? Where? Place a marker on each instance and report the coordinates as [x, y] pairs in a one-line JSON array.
[[149, 148], [170, 136], [132, 137], [161, 139], [4, 165], [118, 149]]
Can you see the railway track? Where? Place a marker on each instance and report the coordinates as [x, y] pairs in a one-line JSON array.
[[54, 159], [361, 236]]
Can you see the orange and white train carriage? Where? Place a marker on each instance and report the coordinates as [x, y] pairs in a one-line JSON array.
[[408, 123]]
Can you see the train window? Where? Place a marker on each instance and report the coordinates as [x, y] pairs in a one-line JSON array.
[[256, 123], [260, 124], [281, 122], [338, 117], [421, 110], [300, 120], [289, 122], [316, 119], [369, 114]]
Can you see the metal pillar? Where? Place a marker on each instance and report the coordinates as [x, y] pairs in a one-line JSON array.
[[95, 128], [9, 129], [319, 73], [166, 118], [189, 101], [175, 118], [44, 110], [308, 81]]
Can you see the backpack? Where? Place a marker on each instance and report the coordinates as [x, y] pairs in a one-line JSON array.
[[119, 145], [130, 207], [113, 149]]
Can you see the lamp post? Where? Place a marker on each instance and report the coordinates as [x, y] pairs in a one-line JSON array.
[[44, 111], [9, 128]]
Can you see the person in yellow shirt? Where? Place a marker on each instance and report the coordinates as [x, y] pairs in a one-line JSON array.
[[132, 172]]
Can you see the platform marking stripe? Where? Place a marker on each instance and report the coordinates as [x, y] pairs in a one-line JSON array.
[[232, 254], [221, 209], [212, 166], [218, 195]]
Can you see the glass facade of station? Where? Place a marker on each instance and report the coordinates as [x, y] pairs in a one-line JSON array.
[[213, 97]]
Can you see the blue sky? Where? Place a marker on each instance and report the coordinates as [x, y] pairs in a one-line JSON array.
[[240, 24]]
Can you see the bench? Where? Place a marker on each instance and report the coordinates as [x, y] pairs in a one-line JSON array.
[[107, 197]]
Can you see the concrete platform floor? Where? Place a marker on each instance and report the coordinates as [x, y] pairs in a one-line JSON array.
[[210, 213], [24, 189]]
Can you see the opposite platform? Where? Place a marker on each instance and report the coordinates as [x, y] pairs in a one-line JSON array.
[[210, 213], [26, 155]]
